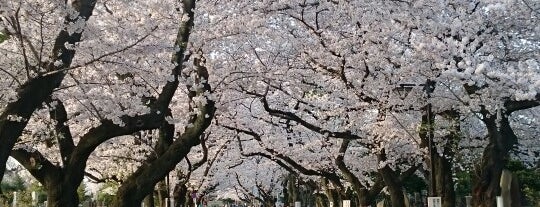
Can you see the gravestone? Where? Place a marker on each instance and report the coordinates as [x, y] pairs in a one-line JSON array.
[[434, 202], [468, 201], [505, 184], [34, 198], [500, 201], [14, 199], [346, 203]]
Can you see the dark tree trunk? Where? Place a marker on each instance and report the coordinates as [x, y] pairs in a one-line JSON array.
[[494, 159], [444, 184], [441, 184], [394, 185], [393, 182], [335, 197], [515, 192], [363, 197], [321, 200], [268, 203], [444, 181], [142, 182], [60, 183], [60, 195], [181, 195], [31, 96], [332, 194]]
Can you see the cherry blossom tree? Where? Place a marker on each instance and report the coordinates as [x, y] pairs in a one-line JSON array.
[[365, 92], [324, 65], [96, 104], [36, 57]]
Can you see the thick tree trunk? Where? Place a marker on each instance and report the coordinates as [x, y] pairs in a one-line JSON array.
[[486, 187], [441, 164], [444, 181], [60, 183], [515, 192], [392, 181], [269, 204], [145, 178], [141, 182], [31, 96], [394, 186], [494, 159], [332, 194], [180, 195], [363, 197], [62, 194], [335, 197], [444, 184]]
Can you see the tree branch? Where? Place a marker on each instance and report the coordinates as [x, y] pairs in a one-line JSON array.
[[295, 118], [512, 106], [36, 164], [63, 133], [285, 161]]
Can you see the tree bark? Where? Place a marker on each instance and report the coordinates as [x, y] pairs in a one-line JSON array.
[[61, 191], [394, 186], [59, 195], [181, 195], [142, 181], [495, 157], [444, 181], [443, 163], [363, 196], [292, 190], [31, 95], [393, 182]]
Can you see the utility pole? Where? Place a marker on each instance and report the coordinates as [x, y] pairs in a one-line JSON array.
[[428, 88]]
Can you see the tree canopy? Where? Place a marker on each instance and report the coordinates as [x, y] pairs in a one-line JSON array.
[[335, 99]]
